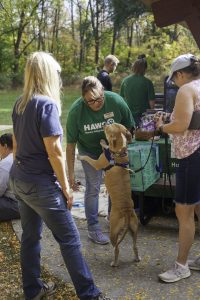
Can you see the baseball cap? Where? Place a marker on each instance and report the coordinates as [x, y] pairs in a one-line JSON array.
[[179, 63]]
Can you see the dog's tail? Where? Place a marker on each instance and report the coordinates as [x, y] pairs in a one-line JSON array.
[[122, 236], [125, 230]]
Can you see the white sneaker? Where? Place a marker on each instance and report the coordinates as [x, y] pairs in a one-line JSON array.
[[194, 264], [177, 273]]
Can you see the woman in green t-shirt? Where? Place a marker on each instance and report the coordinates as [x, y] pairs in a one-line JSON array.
[[137, 90], [85, 123]]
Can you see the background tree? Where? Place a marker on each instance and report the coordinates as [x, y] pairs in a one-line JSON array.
[[80, 33]]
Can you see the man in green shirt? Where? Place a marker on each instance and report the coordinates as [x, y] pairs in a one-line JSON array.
[[85, 122], [137, 90]]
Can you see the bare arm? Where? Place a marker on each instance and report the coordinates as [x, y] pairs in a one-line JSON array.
[[183, 110], [152, 104], [55, 154], [70, 158]]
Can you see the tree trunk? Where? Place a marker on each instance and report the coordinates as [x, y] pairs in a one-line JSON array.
[[130, 42], [95, 26], [114, 39]]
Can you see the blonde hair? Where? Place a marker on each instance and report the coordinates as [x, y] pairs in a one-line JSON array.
[[92, 84], [111, 59], [41, 77]]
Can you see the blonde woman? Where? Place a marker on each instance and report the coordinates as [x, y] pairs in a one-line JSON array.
[[40, 183]]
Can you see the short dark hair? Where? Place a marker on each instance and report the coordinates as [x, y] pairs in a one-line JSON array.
[[6, 139]]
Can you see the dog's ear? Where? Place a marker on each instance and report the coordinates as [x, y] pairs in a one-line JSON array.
[[126, 132], [128, 136], [113, 142]]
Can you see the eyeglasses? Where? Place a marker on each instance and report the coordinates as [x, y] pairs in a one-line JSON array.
[[93, 101]]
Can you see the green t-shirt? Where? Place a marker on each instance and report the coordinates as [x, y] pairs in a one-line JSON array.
[[137, 91], [85, 126]]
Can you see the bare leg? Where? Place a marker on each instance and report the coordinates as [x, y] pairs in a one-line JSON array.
[[197, 213], [197, 210], [185, 215]]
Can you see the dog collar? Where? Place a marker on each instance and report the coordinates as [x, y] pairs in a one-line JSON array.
[[110, 157], [125, 166]]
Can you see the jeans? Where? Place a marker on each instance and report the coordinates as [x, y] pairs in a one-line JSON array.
[[93, 179], [39, 202], [8, 209]]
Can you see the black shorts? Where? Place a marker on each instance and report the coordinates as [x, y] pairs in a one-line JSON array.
[[188, 179]]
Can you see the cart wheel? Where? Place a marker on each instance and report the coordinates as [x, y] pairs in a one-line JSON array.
[[144, 219]]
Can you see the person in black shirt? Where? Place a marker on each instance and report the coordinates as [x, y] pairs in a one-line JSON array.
[[110, 64]]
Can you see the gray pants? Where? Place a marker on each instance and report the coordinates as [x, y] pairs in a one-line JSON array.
[[8, 209]]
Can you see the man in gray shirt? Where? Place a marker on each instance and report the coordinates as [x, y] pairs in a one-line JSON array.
[[8, 204]]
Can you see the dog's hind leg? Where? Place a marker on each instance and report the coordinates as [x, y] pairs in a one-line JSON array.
[[114, 263], [133, 227], [116, 240]]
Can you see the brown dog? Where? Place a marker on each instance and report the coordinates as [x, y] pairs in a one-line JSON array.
[[114, 160]]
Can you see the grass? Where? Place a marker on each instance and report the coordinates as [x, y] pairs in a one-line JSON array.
[[8, 98], [10, 274]]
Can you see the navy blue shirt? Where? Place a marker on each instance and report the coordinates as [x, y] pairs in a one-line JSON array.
[[40, 119], [104, 77]]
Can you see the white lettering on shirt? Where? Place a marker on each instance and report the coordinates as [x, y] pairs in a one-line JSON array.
[[86, 127], [96, 127]]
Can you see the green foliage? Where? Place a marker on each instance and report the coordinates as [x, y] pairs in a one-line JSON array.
[[5, 81], [126, 28], [124, 10]]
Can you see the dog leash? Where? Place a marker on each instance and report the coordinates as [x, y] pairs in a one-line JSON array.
[[167, 209], [141, 168]]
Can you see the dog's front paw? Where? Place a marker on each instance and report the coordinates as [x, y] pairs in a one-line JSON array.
[[137, 259], [103, 144], [114, 264], [79, 157]]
